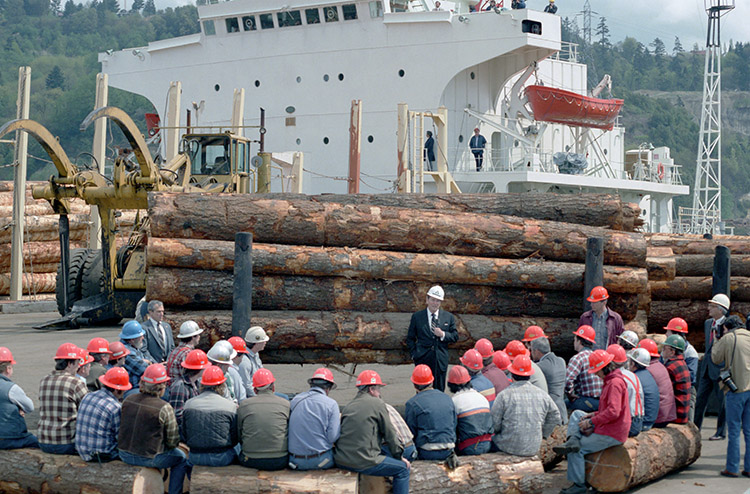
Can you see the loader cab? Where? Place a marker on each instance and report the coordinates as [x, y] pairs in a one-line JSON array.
[[219, 160]]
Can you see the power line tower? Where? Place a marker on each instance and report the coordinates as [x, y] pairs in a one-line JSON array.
[[587, 22], [705, 216]]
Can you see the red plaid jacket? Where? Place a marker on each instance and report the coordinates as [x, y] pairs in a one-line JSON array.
[[680, 376]]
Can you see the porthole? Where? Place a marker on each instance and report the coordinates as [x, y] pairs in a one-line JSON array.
[[299, 79], [461, 138], [325, 140], [299, 141], [257, 83], [401, 73], [370, 138], [341, 77], [290, 109], [217, 87], [325, 77], [472, 75]]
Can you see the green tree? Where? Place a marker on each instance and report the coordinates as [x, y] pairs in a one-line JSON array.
[[55, 79], [36, 8], [677, 47], [149, 8], [137, 5], [659, 49], [602, 31]]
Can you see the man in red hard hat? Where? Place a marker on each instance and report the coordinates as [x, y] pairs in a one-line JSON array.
[[474, 420], [607, 323], [14, 405], [513, 349], [365, 427], [185, 386], [60, 393], [496, 376], [98, 422], [314, 424], [431, 417], [636, 397], [98, 348], [582, 389], [472, 360]]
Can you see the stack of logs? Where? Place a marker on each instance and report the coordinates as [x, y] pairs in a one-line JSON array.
[[680, 279], [336, 277]]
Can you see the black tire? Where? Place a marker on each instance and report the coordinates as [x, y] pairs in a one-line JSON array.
[[92, 279], [77, 260]]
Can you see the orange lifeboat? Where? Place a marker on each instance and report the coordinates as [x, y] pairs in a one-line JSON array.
[[565, 107]]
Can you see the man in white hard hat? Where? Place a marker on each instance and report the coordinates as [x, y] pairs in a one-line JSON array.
[[430, 332], [189, 336], [708, 372], [256, 339]]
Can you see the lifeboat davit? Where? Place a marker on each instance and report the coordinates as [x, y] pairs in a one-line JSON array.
[[557, 105]]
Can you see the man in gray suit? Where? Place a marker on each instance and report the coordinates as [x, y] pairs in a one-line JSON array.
[[159, 340], [708, 372], [553, 368]]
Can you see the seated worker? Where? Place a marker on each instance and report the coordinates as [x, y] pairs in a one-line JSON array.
[[679, 374], [553, 368], [472, 360], [14, 405], [98, 349], [638, 363], [474, 420], [222, 354], [678, 326], [582, 388], [667, 404], [185, 386], [489, 370], [635, 390], [431, 416], [514, 348], [189, 337], [137, 358], [119, 352]]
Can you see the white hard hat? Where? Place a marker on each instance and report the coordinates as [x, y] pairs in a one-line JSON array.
[[222, 352], [630, 337], [640, 356], [721, 300], [188, 329], [256, 334], [436, 292]]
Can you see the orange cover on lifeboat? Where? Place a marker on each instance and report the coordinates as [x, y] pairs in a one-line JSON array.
[[569, 108]]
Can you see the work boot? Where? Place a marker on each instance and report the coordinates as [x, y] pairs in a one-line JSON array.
[[572, 445], [575, 489]]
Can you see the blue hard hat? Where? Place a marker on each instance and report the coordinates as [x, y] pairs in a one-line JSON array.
[[131, 329]]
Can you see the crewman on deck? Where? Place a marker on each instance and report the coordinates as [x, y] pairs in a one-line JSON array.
[[189, 337], [679, 374], [431, 416], [14, 405], [185, 386], [607, 324], [474, 420], [222, 354], [514, 348], [472, 360], [679, 327], [497, 377], [553, 368], [137, 359], [256, 339], [635, 390], [638, 363], [582, 388], [98, 348], [667, 405]]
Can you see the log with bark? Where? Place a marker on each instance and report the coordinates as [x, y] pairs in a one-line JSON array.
[[546, 454], [646, 457], [703, 265], [41, 208], [695, 244], [35, 254], [10, 186], [660, 263], [362, 337], [214, 289], [301, 260], [32, 282], [45, 228], [6, 198], [698, 288], [219, 217]]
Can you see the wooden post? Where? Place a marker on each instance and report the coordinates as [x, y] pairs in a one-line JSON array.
[[355, 138], [594, 272], [722, 271], [19, 184], [264, 173], [442, 141], [298, 168], [242, 301], [100, 155], [401, 147], [238, 112], [172, 132]]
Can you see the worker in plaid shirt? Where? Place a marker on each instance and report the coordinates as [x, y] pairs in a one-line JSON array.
[[582, 389], [679, 373], [189, 336], [60, 393], [186, 385], [99, 417]]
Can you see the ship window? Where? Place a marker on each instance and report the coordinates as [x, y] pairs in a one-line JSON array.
[[233, 25], [298, 141], [376, 9], [257, 83], [331, 13], [312, 16], [401, 73], [208, 28], [266, 21], [325, 77], [350, 11], [370, 138], [290, 109], [325, 140], [472, 75], [461, 138], [533, 27], [217, 87], [299, 79], [248, 22], [341, 77], [292, 18]]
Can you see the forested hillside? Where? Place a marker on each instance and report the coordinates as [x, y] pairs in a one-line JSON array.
[[61, 42]]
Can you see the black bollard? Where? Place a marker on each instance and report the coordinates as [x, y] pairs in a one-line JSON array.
[[242, 300], [594, 272], [722, 271]]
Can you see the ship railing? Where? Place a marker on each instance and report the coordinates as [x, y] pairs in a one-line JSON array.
[[568, 52], [655, 172]]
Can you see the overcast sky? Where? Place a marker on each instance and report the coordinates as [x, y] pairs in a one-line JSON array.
[[641, 19]]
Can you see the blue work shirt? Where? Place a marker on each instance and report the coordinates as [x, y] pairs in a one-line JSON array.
[[314, 423], [650, 398]]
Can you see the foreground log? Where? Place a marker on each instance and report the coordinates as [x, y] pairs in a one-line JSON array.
[[336, 225], [660, 263], [698, 288], [301, 260], [361, 337], [696, 244], [703, 265], [32, 283], [646, 457], [695, 312], [214, 289], [546, 454]]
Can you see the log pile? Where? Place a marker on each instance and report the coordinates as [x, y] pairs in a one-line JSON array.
[[336, 278]]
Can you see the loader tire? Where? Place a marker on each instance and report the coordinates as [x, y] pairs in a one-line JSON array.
[[75, 270]]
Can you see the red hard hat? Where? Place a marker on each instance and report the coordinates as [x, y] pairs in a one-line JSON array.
[[533, 332], [484, 347], [155, 374], [586, 332], [369, 377], [262, 377], [650, 346], [67, 351], [6, 356], [677, 324], [85, 357], [598, 293], [213, 376], [598, 360], [458, 375], [521, 366], [98, 345], [196, 359], [515, 348], [618, 352], [323, 374], [116, 378], [118, 350], [501, 360], [472, 359], [238, 344], [422, 375]]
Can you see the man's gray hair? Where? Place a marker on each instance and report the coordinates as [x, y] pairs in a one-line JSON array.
[[155, 304], [540, 345]]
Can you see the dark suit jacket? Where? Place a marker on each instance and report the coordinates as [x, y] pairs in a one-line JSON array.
[[154, 343], [707, 366], [424, 346]]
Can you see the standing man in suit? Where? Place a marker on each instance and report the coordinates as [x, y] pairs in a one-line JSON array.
[[159, 340], [708, 372], [477, 144], [430, 332], [429, 149]]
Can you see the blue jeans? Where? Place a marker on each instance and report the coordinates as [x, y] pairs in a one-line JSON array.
[[268, 464], [589, 444], [585, 403], [636, 426], [29, 441], [221, 459], [738, 418], [410, 452], [479, 448], [434, 455], [58, 449], [175, 459], [389, 467], [324, 461]]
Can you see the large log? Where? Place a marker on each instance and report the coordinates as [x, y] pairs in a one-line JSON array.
[[660, 263], [10, 186], [703, 265], [546, 453], [214, 289], [219, 217], [698, 288], [44, 228], [301, 260], [646, 457], [6, 198], [31, 283], [363, 337], [34, 254], [695, 244], [41, 208]]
